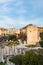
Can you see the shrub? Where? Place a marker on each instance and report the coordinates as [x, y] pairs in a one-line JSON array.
[[30, 58], [17, 60], [41, 43]]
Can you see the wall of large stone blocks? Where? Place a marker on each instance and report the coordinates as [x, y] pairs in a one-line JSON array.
[[32, 35]]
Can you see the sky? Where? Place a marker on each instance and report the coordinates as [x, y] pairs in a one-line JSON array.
[[19, 13]]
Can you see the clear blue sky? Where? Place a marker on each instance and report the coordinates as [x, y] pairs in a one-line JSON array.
[[19, 13]]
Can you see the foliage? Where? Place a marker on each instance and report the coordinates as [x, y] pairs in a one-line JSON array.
[[41, 35], [23, 36], [12, 37], [1, 63], [41, 43], [8, 37], [30, 58], [8, 40], [12, 43], [40, 51], [40, 59], [3, 38], [17, 60]]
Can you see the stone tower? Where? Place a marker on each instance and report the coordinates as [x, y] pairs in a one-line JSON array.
[[32, 35]]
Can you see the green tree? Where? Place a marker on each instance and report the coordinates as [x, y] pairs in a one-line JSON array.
[[41, 43], [23, 37], [30, 58], [41, 35], [12, 37], [40, 59], [1, 63], [17, 60]]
